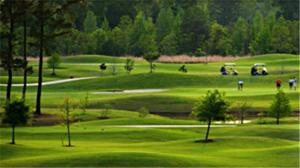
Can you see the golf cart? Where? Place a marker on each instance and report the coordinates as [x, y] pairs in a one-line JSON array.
[[229, 68], [259, 69]]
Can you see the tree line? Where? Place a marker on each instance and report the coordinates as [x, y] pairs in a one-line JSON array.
[[31, 25], [146, 28], [171, 27]]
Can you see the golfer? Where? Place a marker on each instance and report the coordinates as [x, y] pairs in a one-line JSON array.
[[240, 85], [291, 83], [278, 84]]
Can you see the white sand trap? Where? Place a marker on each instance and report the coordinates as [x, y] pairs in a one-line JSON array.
[[171, 126], [133, 91], [51, 82], [233, 122]]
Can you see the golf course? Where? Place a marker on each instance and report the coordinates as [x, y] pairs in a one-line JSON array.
[[113, 131]]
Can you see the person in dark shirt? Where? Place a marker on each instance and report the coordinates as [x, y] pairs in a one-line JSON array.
[[183, 69], [254, 71], [223, 70]]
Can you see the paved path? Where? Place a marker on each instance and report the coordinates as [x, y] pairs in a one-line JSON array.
[[133, 91], [51, 82], [170, 126]]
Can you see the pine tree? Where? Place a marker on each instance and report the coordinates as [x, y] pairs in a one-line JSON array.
[[240, 36], [165, 23], [90, 22]]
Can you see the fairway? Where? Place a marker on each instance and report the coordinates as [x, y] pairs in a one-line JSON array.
[[127, 140], [149, 83]]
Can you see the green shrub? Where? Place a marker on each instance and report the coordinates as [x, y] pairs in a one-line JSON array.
[[143, 112]]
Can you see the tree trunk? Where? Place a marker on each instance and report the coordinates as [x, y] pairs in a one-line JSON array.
[[40, 77], [53, 70], [13, 135], [10, 52], [277, 118], [207, 132], [69, 133], [25, 53], [151, 67], [242, 117]]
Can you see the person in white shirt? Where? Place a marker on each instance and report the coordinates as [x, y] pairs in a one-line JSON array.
[[240, 85]]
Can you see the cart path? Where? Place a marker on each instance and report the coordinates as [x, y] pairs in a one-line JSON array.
[[51, 82], [172, 126], [133, 91]]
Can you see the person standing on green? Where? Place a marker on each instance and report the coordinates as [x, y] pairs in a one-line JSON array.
[[240, 85]]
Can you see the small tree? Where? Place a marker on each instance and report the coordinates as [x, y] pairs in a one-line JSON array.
[[151, 57], [242, 109], [16, 113], [53, 62], [104, 113], [129, 65], [211, 107], [83, 104], [67, 107], [280, 107], [143, 112]]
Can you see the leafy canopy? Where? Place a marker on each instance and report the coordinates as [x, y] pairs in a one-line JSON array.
[[16, 113], [54, 61], [211, 107]]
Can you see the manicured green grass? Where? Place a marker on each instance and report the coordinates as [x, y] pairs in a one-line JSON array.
[[98, 142]]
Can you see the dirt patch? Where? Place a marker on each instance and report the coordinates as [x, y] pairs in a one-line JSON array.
[[46, 120], [32, 58], [190, 59]]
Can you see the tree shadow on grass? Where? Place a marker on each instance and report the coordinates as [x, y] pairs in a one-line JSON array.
[[204, 141]]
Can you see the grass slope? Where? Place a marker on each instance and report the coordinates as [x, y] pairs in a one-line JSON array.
[[95, 144]]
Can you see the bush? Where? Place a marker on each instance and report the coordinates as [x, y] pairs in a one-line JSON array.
[[143, 112], [200, 53]]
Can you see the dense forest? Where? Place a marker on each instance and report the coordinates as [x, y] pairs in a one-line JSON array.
[[172, 27]]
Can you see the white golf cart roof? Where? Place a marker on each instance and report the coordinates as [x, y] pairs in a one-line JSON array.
[[259, 64], [229, 64]]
